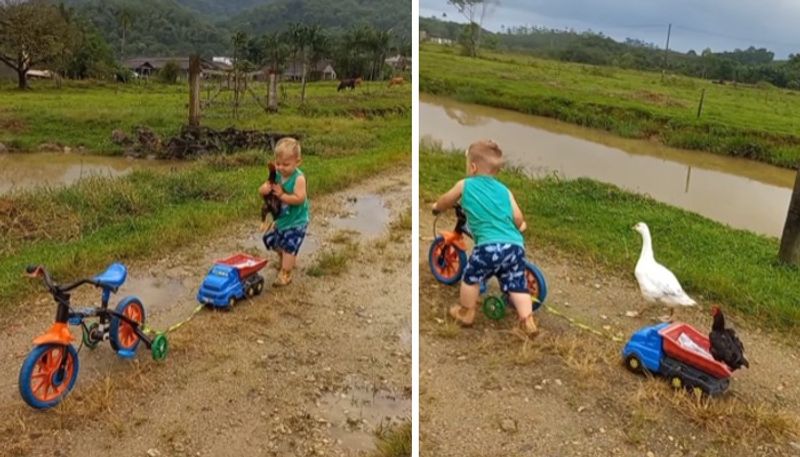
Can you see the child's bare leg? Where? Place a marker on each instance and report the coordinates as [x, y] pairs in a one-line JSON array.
[[288, 261], [287, 265], [524, 306], [464, 313]]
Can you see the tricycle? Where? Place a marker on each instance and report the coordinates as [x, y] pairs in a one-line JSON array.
[[49, 372], [447, 258]]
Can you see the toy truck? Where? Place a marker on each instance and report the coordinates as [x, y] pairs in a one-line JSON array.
[[679, 353], [232, 279]]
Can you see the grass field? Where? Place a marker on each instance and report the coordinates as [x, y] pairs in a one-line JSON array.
[[594, 221], [761, 123], [85, 113], [80, 229]]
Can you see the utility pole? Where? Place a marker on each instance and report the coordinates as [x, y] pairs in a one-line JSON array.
[[666, 52]]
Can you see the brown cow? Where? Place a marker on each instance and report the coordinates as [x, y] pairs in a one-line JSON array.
[[351, 83], [397, 81]]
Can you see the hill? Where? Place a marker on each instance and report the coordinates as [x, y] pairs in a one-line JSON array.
[[180, 27]]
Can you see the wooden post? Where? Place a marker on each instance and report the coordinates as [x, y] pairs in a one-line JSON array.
[[194, 91], [790, 241], [700, 106], [272, 99]]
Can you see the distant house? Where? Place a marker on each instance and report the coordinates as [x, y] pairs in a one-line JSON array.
[[398, 62], [440, 40], [147, 66], [323, 70]]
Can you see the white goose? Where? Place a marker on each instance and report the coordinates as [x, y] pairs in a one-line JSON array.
[[656, 282]]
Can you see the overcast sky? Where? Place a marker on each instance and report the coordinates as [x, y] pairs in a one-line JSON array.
[[696, 24]]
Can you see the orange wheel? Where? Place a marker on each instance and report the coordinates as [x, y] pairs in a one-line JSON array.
[[122, 334], [42, 381], [447, 262]]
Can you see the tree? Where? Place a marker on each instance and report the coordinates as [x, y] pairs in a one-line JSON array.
[[307, 42], [34, 32], [170, 72], [276, 52], [125, 18], [239, 40], [790, 239], [475, 11]]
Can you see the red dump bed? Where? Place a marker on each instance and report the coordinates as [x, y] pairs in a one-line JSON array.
[[245, 263], [684, 343]]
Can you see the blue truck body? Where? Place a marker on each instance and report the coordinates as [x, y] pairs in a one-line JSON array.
[[645, 352], [222, 286]]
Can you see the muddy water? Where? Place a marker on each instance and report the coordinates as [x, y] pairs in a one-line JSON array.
[[25, 171], [366, 214], [741, 193], [355, 413]]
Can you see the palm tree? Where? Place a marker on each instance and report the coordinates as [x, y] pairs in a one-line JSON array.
[[306, 41], [276, 51], [125, 19]]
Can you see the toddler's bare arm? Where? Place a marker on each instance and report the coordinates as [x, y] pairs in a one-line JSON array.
[[449, 198], [519, 218]]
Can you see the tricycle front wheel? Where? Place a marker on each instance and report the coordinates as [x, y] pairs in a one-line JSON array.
[[43, 383], [447, 262]]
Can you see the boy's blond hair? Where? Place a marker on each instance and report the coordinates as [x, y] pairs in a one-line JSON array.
[[288, 147], [486, 155]]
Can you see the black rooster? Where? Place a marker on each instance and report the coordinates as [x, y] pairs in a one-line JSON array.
[[725, 345], [272, 205]]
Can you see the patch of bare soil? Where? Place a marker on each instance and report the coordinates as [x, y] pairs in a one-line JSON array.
[[315, 368], [484, 391]]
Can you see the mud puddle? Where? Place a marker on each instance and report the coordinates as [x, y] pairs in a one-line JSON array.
[[356, 412], [366, 214]]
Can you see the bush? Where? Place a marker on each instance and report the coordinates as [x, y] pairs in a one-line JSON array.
[[169, 74]]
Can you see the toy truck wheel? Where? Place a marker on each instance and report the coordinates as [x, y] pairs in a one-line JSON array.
[[259, 287], [676, 382], [634, 364], [231, 302], [251, 291]]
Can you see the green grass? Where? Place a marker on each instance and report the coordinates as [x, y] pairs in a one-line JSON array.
[[333, 262], [393, 441], [593, 221], [83, 114], [78, 230], [760, 123]]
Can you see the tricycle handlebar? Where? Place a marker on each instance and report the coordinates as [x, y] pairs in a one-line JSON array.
[[36, 271]]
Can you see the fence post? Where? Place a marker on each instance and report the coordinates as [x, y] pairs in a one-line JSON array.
[[194, 91], [700, 106]]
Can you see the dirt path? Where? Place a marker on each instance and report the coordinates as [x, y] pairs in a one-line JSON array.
[[312, 369], [483, 391]]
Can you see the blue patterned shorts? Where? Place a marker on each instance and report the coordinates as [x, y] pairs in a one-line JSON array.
[[288, 240], [504, 260]]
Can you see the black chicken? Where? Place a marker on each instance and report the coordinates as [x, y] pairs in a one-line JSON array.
[[272, 205], [725, 345]]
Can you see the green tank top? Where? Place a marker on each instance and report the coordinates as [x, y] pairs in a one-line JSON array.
[[292, 215], [487, 204]]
